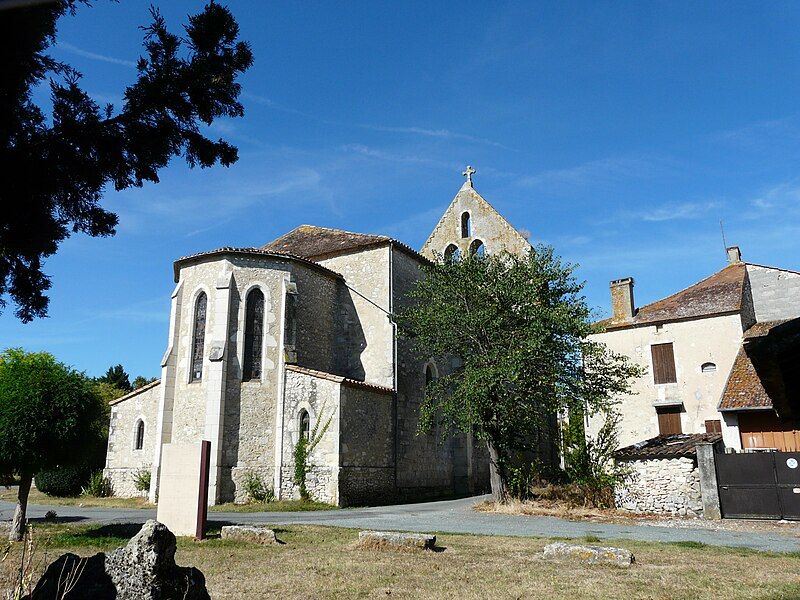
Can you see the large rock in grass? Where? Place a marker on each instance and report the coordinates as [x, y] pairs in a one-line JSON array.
[[589, 554], [394, 539], [249, 533], [144, 569]]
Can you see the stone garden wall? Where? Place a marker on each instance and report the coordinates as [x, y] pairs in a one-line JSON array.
[[662, 485]]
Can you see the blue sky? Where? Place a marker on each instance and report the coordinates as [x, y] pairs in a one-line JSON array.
[[621, 133]]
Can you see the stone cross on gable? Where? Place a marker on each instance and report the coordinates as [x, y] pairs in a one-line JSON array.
[[468, 173]]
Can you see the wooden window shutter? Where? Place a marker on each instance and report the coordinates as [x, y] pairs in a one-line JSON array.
[[713, 426], [669, 420], [663, 363]]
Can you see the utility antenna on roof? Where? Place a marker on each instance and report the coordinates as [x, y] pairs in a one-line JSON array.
[[724, 242]]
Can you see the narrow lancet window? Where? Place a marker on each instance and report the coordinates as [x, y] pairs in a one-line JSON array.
[[305, 424], [198, 342], [466, 226], [140, 435], [253, 334]]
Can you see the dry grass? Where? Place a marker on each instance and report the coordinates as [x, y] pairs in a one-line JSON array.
[[37, 497], [318, 562], [562, 510]]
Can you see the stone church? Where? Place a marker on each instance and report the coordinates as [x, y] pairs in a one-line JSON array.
[[265, 344]]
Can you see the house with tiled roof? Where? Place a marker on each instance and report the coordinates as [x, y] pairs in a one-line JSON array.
[[719, 357], [267, 343]]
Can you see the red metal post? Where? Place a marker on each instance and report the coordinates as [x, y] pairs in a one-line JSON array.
[[202, 502]]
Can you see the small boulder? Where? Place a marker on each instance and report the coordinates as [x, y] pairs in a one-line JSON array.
[[589, 554], [144, 569], [249, 533], [395, 539]]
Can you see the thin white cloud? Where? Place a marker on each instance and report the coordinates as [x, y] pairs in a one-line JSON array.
[[602, 171], [436, 133], [391, 156], [411, 130], [94, 55], [673, 212]]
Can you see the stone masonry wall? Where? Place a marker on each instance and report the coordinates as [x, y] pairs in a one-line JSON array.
[[427, 465], [666, 486], [320, 397], [487, 225], [123, 460], [366, 474], [367, 333], [249, 414]]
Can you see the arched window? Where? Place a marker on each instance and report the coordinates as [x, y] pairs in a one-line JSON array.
[[290, 328], [477, 248], [452, 252], [139, 435], [708, 367], [466, 226], [253, 334], [305, 424], [198, 343], [430, 374]]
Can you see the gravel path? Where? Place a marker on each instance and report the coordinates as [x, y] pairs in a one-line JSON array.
[[451, 516]]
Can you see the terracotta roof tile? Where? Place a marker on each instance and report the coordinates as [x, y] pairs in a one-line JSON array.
[[744, 388], [316, 243], [251, 251], [718, 294], [339, 379], [135, 392], [667, 446]]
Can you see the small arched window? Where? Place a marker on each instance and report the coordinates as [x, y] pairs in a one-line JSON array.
[[477, 248], [305, 424], [430, 374], [452, 252], [253, 334], [139, 435], [466, 226], [198, 342], [708, 367]]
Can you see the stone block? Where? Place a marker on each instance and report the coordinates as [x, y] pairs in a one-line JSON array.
[[249, 533], [589, 554], [395, 539], [144, 569]]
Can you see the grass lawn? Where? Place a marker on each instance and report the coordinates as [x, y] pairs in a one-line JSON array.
[[276, 506], [321, 562], [37, 497]]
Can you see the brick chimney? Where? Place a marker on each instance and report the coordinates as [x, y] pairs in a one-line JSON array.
[[622, 299], [734, 255]]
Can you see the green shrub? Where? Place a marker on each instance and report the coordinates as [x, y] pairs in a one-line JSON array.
[[256, 490], [67, 480], [98, 486], [142, 480]]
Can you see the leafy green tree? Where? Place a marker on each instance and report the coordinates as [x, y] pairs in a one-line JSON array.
[[117, 377], [50, 414], [58, 166], [142, 381], [520, 327]]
